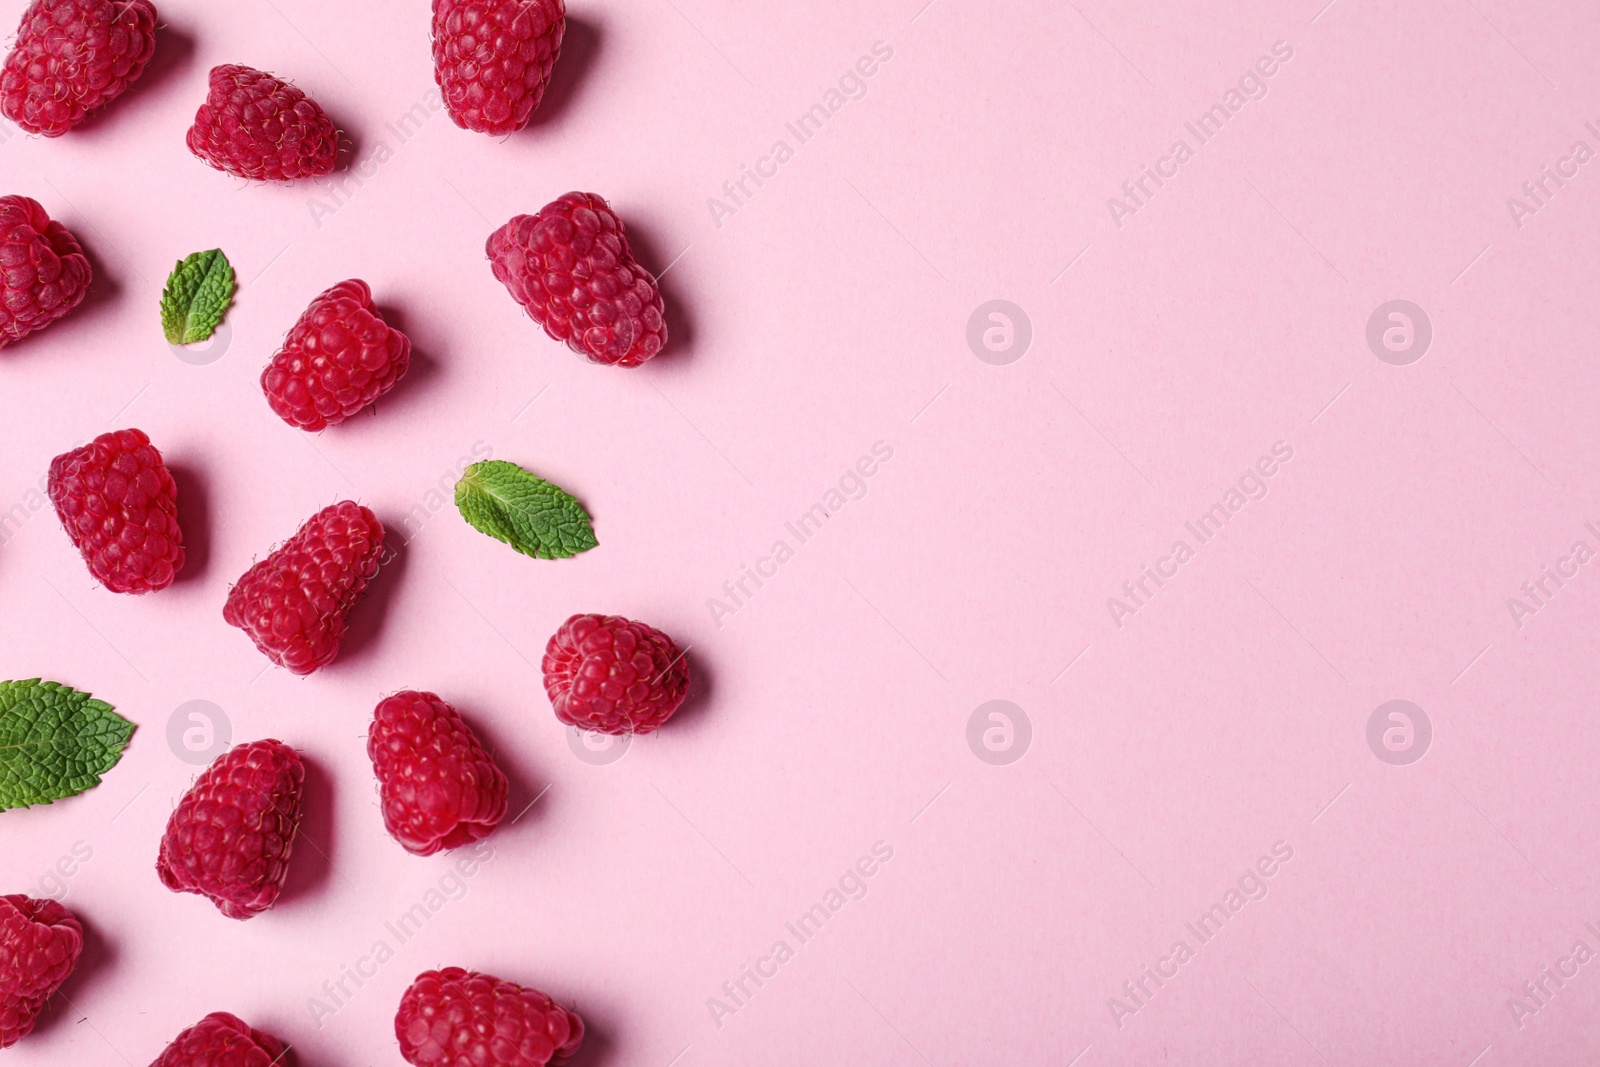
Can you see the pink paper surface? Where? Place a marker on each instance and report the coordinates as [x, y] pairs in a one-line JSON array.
[[1177, 743]]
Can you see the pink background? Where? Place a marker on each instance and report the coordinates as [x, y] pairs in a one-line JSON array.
[[826, 314]]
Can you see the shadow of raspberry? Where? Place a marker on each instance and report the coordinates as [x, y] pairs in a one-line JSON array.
[[312, 865], [412, 388], [371, 613], [580, 48], [66, 336], [655, 258], [162, 77], [599, 1047], [94, 965], [525, 784], [194, 520], [697, 703]]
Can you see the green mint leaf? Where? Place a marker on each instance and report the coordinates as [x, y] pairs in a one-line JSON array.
[[197, 295], [55, 742], [523, 510]]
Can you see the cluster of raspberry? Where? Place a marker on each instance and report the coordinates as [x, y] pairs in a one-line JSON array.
[[231, 837]]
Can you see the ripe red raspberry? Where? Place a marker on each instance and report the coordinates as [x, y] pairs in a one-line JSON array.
[[571, 268], [17, 1016], [256, 126], [40, 941], [295, 603], [222, 1040], [72, 56], [440, 788], [340, 357], [456, 1018], [119, 504], [492, 59], [612, 675], [232, 834], [43, 271]]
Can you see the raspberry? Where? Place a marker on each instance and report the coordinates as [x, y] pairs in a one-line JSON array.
[[340, 357], [43, 271], [614, 676], [71, 57], [222, 1040], [119, 504], [17, 1016], [440, 788], [457, 1018], [255, 126], [231, 835], [40, 941], [295, 603], [492, 59], [571, 268]]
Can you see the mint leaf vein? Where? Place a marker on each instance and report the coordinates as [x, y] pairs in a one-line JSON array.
[[197, 295], [55, 742], [531, 515]]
